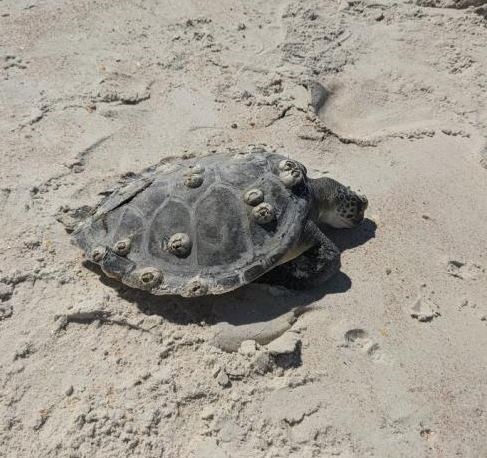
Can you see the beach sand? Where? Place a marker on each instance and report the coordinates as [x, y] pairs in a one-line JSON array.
[[388, 359]]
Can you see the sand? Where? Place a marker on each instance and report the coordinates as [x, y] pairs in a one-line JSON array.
[[388, 359]]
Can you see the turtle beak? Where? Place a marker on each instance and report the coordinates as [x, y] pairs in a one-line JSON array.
[[362, 206], [364, 201]]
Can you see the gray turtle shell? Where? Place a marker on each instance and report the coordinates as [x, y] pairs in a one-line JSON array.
[[228, 238]]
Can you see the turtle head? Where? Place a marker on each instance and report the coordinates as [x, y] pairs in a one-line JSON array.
[[338, 206]]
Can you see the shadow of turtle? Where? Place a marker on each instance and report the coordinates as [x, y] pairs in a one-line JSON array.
[[346, 239], [250, 304], [256, 311], [256, 302]]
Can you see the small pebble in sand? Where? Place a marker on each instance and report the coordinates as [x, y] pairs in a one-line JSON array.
[[318, 95], [164, 353], [464, 270], [6, 310], [248, 347], [69, 390], [262, 363], [207, 413], [423, 310], [284, 344], [24, 350], [5, 291], [463, 304], [222, 379]]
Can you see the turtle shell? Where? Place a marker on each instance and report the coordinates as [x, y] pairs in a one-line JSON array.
[[204, 225]]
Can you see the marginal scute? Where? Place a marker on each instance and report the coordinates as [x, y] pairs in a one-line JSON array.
[[253, 197], [243, 156], [256, 149], [254, 272], [263, 213], [196, 287], [122, 247], [179, 244], [116, 266]]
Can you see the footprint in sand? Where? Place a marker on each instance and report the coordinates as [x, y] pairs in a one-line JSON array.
[[464, 270], [359, 339]]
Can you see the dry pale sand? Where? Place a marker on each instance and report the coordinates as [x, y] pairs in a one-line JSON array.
[[388, 359]]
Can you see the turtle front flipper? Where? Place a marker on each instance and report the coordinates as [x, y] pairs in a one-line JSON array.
[[317, 264]]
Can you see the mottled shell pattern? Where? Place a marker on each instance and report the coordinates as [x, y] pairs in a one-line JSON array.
[[204, 225]]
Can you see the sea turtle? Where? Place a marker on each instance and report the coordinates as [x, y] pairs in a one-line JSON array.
[[210, 224]]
